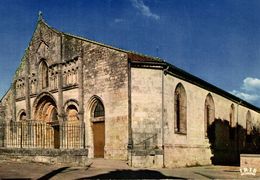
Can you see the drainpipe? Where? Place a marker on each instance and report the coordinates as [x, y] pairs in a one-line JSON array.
[[130, 145], [237, 138], [162, 123]]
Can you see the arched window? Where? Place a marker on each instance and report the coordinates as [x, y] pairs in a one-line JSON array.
[[99, 110], [22, 116], [43, 76], [180, 101], [232, 115], [209, 112], [72, 110], [248, 123]]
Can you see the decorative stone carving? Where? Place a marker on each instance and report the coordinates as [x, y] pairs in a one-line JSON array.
[[70, 73], [53, 71], [20, 88], [33, 82]]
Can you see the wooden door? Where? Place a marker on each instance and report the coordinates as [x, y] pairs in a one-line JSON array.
[[56, 130], [99, 138]]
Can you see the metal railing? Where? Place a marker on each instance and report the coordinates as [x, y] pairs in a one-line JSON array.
[[38, 134], [145, 140]]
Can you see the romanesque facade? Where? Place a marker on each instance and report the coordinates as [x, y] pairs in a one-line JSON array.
[[73, 93]]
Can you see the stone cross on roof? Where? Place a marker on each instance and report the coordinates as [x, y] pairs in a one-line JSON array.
[[40, 16]]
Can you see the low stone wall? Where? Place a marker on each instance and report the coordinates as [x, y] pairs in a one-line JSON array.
[[174, 156], [146, 158], [76, 157], [250, 161], [187, 155]]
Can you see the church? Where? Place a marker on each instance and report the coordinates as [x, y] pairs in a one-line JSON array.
[[71, 93]]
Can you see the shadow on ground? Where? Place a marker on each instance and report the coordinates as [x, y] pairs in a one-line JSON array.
[[53, 173], [130, 174]]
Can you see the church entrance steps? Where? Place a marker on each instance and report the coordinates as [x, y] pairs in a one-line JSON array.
[[108, 163]]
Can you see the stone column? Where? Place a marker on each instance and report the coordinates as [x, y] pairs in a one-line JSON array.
[[130, 133], [60, 83], [60, 94], [62, 125], [80, 94], [81, 99], [14, 100], [27, 90]]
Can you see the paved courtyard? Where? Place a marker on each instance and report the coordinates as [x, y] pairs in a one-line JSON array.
[[99, 168]]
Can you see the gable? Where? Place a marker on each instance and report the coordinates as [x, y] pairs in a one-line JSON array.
[[44, 44], [43, 49]]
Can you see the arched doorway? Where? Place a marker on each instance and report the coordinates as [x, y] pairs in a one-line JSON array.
[[45, 110], [98, 127], [22, 115]]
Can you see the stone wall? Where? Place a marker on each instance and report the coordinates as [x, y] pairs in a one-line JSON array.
[[2, 113], [7, 102], [20, 106], [106, 77], [250, 161], [146, 104], [105, 73], [192, 148], [2, 120], [49, 156]]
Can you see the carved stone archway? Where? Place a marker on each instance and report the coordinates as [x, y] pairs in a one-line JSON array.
[[45, 108], [45, 111]]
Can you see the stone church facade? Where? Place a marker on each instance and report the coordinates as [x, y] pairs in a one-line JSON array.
[[117, 104]]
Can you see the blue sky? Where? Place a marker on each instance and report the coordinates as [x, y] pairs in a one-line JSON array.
[[218, 41]]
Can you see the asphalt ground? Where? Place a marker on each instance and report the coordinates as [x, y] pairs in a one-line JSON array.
[[111, 169]]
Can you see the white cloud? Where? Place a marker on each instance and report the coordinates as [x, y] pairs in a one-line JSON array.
[[144, 9], [117, 20], [245, 96], [251, 84], [249, 91]]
